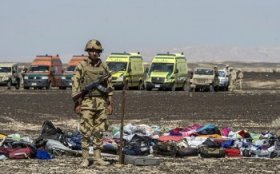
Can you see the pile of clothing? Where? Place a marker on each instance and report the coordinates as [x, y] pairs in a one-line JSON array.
[[143, 140]]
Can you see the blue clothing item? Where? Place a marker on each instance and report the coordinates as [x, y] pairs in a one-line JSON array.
[[74, 141], [43, 155], [227, 143], [208, 129]]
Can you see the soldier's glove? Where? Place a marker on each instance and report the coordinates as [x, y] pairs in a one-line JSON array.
[[77, 108]]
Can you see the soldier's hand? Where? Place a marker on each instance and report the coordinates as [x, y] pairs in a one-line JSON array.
[[77, 108], [110, 110]]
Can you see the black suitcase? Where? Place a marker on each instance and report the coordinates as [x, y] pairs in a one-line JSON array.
[[208, 152], [188, 151]]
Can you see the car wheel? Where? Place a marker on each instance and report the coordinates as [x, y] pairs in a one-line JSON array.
[[49, 86], [126, 87], [9, 84], [186, 87], [148, 88], [173, 88], [18, 84], [211, 88], [226, 88], [140, 86], [191, 90]]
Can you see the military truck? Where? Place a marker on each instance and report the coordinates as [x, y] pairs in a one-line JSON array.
[[9, 75], [168, 72], [45, 71], [66, 78], [204, 79], [128, 70]]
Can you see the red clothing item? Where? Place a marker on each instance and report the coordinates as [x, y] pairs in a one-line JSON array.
[[170, 138]]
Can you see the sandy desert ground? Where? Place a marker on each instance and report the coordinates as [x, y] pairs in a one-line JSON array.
[[255, 108]]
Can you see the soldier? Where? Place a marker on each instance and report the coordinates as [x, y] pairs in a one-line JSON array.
[[94, 107], [23, 72], [239, 79], [216, 71], [227, 70], [232, 79]]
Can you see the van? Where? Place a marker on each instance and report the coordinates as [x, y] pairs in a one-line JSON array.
[[44, 72], [9, 75], [128, 70], [223, 80], [168, 72], [69, 70]]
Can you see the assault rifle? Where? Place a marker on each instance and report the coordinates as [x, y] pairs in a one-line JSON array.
[[96, 84]]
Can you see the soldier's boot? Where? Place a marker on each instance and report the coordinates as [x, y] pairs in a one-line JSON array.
[[85, 155], [98, 160]]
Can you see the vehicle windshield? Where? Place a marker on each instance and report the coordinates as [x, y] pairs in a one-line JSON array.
[[117, 66], [162, 67], [222, 73], [204, 72], [5, 69], [71, 68], [39, 68]]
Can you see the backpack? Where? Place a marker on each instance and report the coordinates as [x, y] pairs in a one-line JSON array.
[[49, 131], [138, 145], [21, 153], [166, 149], [208, 152], [187, 151], [74, 141]]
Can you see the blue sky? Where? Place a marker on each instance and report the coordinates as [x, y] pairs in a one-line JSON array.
[[33, 27]]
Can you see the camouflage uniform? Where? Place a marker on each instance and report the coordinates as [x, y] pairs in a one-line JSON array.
[[93, 116], [232, 80], [239, 79]]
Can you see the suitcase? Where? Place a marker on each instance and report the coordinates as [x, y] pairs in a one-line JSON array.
[[21, 153], [188, 151], [208, 152], [141, 160]]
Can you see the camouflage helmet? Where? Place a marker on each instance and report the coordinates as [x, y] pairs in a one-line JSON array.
[[93, 45]]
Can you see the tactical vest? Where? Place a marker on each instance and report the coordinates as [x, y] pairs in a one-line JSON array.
[[91, 73]]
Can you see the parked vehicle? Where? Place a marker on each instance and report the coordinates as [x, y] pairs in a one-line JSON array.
[[127, 70], [223, 80], [168, 72], [66, 79], [9, 75], [44, 72], [204, 79]]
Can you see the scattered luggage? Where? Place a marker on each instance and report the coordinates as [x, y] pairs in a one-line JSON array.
[[232, 152], [49, 131], [166, 149], [188, 151], [57, 148], [138, 145], [208, 152]]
